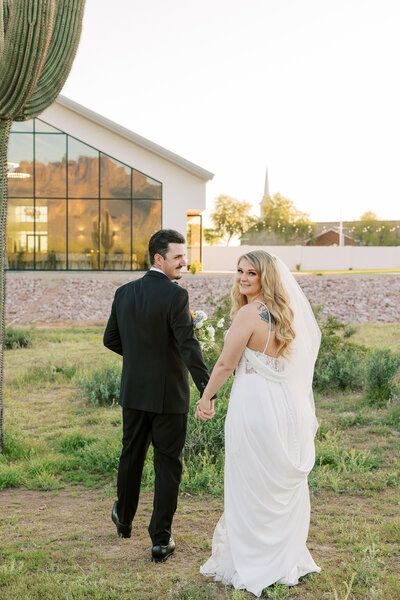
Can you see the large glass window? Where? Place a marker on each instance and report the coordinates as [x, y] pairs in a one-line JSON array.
[[115, 234], [73, 207], [146, 220], [50, 234], [20, 233], [23, 126], [83, 234], [20, 165], [145, 187], [50, 165], [83, 170], [42, 127], [194, 234], [115, 178]]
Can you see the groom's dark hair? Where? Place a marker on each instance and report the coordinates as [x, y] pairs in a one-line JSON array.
[[158, 243]]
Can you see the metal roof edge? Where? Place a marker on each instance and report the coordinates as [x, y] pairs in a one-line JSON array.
[[134, 137]]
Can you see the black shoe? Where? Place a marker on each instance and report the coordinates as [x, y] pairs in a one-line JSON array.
[[122, 529], [161, 553]]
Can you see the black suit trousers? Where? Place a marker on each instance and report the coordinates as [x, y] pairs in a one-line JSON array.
[[167, 433]]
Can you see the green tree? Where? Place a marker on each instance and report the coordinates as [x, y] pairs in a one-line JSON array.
[[38, 43], [229, 217], [281, 221], [211, 236], [370, 231]]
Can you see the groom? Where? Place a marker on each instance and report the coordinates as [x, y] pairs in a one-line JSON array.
[[151, 327]]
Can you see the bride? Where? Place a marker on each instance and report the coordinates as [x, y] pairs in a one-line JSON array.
[[269, 429]]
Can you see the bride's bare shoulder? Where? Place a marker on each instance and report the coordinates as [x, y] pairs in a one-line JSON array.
[[248, 310]]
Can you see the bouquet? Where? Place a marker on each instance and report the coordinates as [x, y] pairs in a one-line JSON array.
[[204, 331]]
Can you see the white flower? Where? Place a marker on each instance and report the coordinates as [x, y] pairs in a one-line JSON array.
[[201, 315], [198, 325], [201, 333], [221, 323], [211, 331]]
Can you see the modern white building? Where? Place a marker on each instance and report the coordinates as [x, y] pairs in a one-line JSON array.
[[86, 193]]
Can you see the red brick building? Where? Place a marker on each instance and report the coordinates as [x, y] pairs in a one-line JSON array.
[[330, 237]]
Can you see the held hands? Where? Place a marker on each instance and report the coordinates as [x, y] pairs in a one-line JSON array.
[[205, 409]]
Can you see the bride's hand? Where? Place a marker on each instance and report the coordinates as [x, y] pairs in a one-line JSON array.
[[205, 409]]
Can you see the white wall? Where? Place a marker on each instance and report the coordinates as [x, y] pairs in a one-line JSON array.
[[311, 258], [182, 191]]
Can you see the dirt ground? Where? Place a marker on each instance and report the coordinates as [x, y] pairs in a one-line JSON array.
[[73, 527]]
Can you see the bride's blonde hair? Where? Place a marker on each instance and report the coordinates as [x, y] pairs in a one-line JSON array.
[[275, 296]]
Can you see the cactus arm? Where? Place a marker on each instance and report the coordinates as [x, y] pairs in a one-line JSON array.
[[64, 44], [2, 26], [4, 10], [26, 44], [5, 126]]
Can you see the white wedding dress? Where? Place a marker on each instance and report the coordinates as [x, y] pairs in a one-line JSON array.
[[261, 537]]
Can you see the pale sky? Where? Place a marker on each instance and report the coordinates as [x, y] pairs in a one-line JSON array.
[[309, 88]]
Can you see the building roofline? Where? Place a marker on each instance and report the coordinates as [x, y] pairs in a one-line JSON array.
[[134, 137], [327, 231]]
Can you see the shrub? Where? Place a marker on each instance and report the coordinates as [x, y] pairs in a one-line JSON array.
[[211, 354], [392, 417], [195, 267], [381, 366], [74, 442], [17, 338], [15, 446], [101, 387], [220, 322], [340, 364], [203, 454], [394, 386], [207, 436], [10, 476], [330, 451], [349, 330], [350, 419], [101, 456]]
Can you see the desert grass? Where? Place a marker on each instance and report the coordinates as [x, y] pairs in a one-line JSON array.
[[57, 483], [378, 335]]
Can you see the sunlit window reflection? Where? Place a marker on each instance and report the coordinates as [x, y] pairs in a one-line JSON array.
[[73, 207]]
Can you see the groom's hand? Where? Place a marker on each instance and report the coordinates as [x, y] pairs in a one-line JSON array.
[[204, 409]]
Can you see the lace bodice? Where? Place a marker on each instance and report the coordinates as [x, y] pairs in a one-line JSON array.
[[273, 362], [245, 367]]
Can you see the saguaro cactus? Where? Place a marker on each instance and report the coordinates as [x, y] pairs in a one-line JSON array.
[[38, 43], [107, 237]]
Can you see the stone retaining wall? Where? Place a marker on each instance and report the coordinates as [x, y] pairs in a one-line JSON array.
[[49, 301]]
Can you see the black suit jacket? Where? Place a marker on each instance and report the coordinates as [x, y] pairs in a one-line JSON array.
[[151, 327]]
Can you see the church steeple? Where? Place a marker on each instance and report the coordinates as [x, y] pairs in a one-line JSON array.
[[266, 192], [266, 186]]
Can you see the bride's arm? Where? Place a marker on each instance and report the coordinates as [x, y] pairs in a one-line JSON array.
[[235, 343]]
